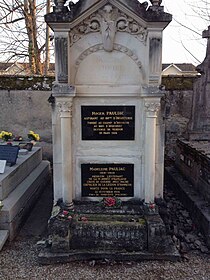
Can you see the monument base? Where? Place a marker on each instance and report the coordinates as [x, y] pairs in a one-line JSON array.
[[128, 233]]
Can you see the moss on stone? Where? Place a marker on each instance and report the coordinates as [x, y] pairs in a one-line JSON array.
[[26, 83]]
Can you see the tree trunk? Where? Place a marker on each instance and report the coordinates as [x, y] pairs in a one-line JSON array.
[[47, 44], [31, 27]]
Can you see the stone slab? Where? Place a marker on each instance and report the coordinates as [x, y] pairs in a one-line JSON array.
[[18, 203], [3, 237], [46, 257], [192, 200], [14, 175]]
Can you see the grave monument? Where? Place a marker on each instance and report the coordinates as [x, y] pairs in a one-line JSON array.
[[193, 152], [108, 135]]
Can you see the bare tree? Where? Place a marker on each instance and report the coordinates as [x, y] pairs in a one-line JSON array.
[[23, 32], [193, 17]]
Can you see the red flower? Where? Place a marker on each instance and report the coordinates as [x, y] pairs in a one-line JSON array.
[[152, 206], [110, 201], [65, 212], [83, 219]]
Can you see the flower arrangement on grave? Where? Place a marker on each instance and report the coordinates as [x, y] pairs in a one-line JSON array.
[[150, 207], [33, 136], [111, 202], [5, 135]]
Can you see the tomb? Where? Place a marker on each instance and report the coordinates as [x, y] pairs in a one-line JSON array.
[[20, 186], [193, 152], [108, 133]]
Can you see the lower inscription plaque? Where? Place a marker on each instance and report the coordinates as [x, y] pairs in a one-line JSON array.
[[105, 180]]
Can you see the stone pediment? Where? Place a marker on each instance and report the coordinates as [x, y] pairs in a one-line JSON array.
[[61, 14], [108, 19]]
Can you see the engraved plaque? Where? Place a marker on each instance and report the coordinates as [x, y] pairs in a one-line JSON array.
[[107, 180], [9, 153], [108, 122]]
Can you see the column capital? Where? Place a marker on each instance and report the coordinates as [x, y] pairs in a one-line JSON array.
[[65, 107], [152, 107]]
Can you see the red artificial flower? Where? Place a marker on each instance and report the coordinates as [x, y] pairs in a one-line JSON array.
[[83, 219], [152, 206], [110, 201]]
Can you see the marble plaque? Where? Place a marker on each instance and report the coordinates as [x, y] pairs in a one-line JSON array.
[[108, 122], [9, 153], [2, 166], [107, 180]]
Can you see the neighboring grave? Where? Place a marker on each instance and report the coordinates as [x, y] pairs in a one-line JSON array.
[[9, 153], [199, 125], [108, 135], [193, 153]]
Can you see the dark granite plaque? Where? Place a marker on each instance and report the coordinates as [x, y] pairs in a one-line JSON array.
[[108, 122], [107, 180], [9, 153]]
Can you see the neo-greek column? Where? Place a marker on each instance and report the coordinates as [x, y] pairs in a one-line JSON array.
[[65, 105], [152, 107]]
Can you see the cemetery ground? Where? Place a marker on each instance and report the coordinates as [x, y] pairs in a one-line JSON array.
[[19, 259]]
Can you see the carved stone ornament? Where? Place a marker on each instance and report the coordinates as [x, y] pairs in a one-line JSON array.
[[152, 107], [156, 2], [116, 47], [65, 107], [108, 21], [59, 4]]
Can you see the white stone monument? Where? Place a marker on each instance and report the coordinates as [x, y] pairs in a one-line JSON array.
[[107, 124], [108, 135]]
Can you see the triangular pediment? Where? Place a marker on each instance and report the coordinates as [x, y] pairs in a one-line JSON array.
[[133, 5], [61, 17], [108, 17], [98, 6]]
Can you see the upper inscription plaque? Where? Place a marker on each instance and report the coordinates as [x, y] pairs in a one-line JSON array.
[[108, 122]]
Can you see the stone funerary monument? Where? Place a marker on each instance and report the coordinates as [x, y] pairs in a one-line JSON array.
[[107, 129]]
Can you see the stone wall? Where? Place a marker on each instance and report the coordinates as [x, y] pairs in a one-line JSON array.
[[25, 106], [178, 102]]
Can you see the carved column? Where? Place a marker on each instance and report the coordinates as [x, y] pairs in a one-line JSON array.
[[152, 107], [64, 105]]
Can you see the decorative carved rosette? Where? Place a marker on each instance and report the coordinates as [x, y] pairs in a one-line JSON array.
[[65, 108], [108, 21]]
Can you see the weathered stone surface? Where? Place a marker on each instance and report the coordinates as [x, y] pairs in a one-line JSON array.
[[62, 14], [20, 200], [199, 125], [193, 202], [14, 175]]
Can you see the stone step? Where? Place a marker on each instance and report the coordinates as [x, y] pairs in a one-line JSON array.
[[14, 175], [3, 237], [17, 205]]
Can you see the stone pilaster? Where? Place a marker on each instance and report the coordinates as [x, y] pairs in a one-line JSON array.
[[64, 95], [61, 57], [155, 60], [152, 106]]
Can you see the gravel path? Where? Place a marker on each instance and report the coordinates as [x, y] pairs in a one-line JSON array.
[[18, 260]]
